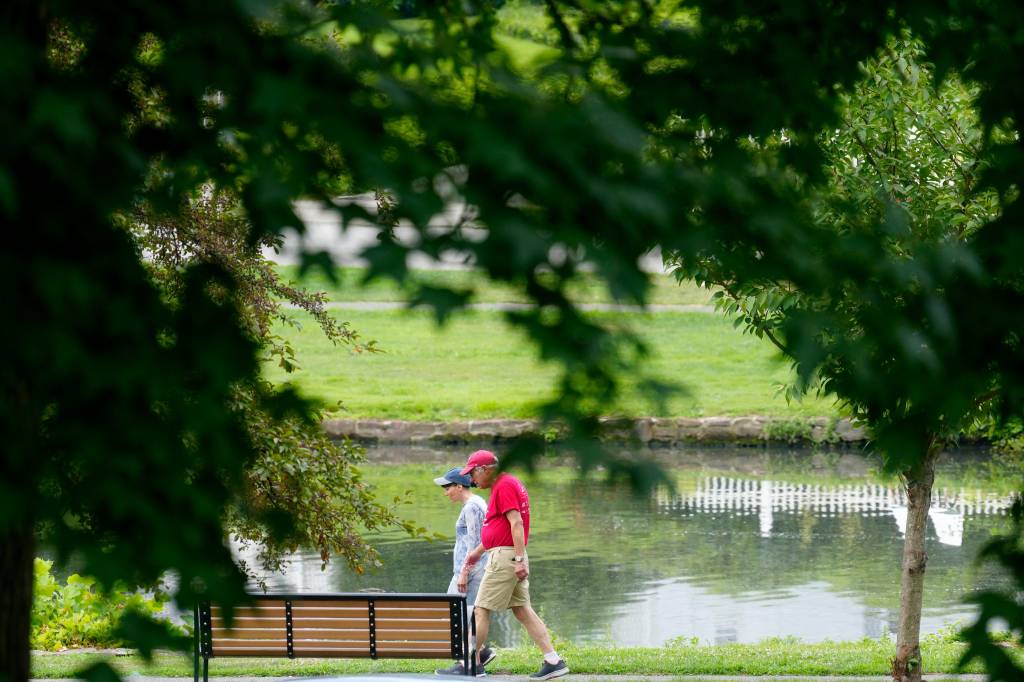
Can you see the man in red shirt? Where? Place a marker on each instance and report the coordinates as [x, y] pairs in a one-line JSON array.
[[505, 534]]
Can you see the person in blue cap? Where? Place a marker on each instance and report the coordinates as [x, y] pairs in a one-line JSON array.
[[456, 488]]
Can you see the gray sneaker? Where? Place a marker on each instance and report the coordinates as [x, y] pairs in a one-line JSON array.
[[550, 672], [487, 655], [458, 669]]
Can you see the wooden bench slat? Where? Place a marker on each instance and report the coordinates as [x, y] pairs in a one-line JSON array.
[[411, 604], [332, 653], [256, 604], [259, 623], [249, 633], [364, 613], [416, 635], [256, 643], [413, 624], [278, 648], [303, 614], [340, 636], [339, 645], [306, 623], [391, 614], [360, 604], [268, 611], [250, 651]]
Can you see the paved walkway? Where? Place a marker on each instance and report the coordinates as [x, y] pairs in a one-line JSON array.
[[384, 677]]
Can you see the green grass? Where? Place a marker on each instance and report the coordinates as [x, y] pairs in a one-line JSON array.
[[523, 34], [478, 367], [589, 289], [771, 657], [526, 55]]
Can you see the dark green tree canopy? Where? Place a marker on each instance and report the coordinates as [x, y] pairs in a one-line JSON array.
[[642, 131], [301, 490], [904, 177]]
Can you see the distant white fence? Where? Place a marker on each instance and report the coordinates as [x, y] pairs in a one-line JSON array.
[[322, 232], [748, 496]]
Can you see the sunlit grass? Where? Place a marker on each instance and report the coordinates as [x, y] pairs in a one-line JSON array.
[[772, 657], [477, 367], [589, 288]]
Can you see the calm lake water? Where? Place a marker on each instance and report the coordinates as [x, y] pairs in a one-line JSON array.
[[754, 543]]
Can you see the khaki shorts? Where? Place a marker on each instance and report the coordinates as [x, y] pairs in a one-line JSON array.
[[501, 589]]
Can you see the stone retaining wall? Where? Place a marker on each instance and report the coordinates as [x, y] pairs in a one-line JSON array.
[[649, 430]]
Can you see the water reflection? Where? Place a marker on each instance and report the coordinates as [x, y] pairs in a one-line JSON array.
[[767, 497], [754, 544]]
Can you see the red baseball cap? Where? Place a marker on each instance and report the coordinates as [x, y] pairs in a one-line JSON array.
[[478, 459]]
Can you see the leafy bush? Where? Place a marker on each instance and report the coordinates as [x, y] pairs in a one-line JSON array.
[[527, 21], [77, 614], [1005, 436], [788, 430]]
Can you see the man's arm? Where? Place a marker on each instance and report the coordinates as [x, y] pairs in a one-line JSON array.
[[515, 520]]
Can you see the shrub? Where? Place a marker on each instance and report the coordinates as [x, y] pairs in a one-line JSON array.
[[78, 614], [788, 430]]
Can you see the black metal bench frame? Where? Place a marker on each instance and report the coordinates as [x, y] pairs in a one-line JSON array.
[[462, 624]]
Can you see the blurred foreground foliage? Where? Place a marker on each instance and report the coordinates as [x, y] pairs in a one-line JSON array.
[[79, 614], [302, 490], [645, 128]]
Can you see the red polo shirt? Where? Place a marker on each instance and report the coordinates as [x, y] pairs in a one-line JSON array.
[[507, 493]]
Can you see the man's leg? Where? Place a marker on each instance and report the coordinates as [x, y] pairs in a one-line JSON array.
[[483, 624], [534, 627]]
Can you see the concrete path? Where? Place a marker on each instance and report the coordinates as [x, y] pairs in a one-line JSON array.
[[384, 677]]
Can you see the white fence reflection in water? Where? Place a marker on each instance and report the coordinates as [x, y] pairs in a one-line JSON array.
[[766, 498]]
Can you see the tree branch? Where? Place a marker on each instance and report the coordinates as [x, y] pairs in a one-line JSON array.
[[759, 318], [771, 337], [871, 159], [980, 401], [564, 32], [976, 151], [968, 177]]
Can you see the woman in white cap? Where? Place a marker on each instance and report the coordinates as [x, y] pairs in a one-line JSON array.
[[456, 488]]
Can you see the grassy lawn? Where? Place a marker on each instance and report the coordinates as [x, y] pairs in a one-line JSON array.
[[772, 657], [589, 289], [478, 367], [526, 55]]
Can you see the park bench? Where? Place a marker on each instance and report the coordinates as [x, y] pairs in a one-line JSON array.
[[349, 625]]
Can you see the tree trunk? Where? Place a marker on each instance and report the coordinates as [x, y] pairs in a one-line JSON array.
[[906, 666], [17, 549]]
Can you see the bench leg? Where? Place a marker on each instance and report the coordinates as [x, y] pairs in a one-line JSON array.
[[195, 645], [467, 638], [206, 670], [467, 643], [471, 668]]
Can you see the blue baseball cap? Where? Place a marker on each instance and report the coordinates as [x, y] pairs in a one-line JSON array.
[[454, 476]]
